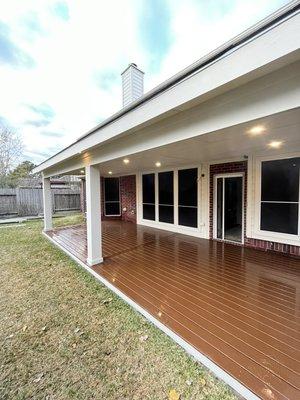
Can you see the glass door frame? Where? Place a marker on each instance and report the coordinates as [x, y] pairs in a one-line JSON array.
[[215, 205]]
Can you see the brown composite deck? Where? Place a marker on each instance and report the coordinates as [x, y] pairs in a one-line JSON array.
[[239, 307]]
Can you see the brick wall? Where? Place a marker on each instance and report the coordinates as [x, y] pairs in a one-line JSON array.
[[127, 198], [273, 246], [249, 242]]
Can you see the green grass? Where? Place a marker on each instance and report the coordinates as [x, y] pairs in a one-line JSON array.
[[65, 336]]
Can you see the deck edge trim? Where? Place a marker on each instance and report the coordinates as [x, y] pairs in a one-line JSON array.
[[214, 368]]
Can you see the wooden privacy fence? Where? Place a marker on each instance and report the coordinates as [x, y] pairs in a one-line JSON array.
[[29, 201]]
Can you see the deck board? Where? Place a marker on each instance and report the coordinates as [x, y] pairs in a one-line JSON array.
[[240, 307]]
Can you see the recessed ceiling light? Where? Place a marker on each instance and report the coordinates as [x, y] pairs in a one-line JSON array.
[[109, 172], [257, 130], [126, 161], [158, 164], [275, 144], [82, 171]]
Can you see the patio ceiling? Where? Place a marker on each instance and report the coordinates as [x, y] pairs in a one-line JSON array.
[[231, 143]]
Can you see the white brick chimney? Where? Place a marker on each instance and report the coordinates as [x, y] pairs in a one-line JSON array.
[[132, 84]]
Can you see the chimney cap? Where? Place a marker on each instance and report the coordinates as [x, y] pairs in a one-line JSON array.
[[134, 65]]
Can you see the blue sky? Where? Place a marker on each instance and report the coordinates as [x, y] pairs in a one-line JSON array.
[[60, 61]]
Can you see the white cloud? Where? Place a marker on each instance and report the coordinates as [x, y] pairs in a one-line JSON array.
[[98, 38]]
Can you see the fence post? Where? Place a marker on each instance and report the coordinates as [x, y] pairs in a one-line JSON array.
[[18, 200]]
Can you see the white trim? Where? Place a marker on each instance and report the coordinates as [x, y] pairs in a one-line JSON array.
[[175, 197], [256, 232], [224, 176], [185, 230], [205, 200], [200, 357], [137, 197], [250, 197], [156, 197], [95, 261]]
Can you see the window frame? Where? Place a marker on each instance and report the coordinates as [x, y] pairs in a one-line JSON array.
[[104, 200], [258, 233], [175, 227]]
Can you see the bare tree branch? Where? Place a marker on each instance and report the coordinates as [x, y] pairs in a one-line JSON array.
[[11, 148]]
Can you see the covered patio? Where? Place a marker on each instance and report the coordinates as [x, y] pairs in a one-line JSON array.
[[236, 309], [208, 152]]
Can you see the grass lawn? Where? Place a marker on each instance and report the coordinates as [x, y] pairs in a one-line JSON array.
[[65, 336]]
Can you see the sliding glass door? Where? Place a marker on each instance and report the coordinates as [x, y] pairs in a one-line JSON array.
[[229, 208]]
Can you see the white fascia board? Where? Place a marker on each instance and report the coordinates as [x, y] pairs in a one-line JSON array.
[[255, 58]]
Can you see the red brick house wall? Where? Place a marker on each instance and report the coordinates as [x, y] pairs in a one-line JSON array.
[[273, 246], [234, 167], [127, 198]]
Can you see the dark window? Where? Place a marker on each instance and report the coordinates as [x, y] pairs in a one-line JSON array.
[[148, 183], [188, 197], [149, 211], [112, 208], [166, 196], [280, 180], [166, 214], [166, 188], [279, 217], [280, 195], [187, 216], [112, 196], [187, 187], [149, 188]]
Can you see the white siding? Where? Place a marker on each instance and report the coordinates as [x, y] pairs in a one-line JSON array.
[[132, 84]]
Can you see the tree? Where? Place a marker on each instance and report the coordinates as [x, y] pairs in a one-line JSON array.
[[22, 174], [11, 148], [23, 170]]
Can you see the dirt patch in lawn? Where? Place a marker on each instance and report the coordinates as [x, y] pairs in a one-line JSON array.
[[65, 336]]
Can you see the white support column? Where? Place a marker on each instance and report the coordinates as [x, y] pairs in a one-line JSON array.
[[47, 201], [93, 214]]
